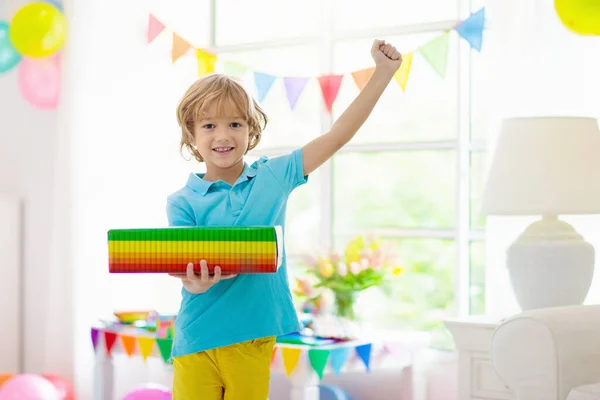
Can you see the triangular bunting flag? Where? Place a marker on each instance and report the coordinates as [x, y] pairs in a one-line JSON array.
[[364, 352], [293, 88], [436, 53], [330, 86], [290, 359], [146, 345], [206, 62], [273, 355], [318, 360], [362, 76], [165, 346], [128, 343], [471, 29], [95, 333], [155, 27], [235, 69], [263, 84], [109, 341], [402, 74], [180, 47], [339, 358]]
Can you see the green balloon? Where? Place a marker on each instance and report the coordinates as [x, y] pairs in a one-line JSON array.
[[9, 57]]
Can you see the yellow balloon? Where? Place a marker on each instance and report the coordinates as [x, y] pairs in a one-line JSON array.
[[38, 30], [579, 16]]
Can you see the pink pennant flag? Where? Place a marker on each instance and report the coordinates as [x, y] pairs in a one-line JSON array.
[[330, 86], [155, 27]]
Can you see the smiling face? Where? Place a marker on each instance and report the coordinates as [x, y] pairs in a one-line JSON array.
[[220, 122], [222, 137]]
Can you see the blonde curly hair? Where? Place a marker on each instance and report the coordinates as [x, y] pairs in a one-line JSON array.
[[223, 91]]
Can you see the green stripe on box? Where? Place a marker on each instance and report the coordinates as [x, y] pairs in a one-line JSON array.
[[214, 234]]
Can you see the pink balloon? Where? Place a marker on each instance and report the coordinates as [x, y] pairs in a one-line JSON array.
[[28, 387], [39, 81], [149, 392]]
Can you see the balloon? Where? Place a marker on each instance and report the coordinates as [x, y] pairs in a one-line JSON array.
[[38, 30], [148, 392], [64, 388], [28, 387], [39, 81], [8, 55], [579, 16], [4, 378]]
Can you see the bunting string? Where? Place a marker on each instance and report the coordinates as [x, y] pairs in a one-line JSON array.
[[434, 52], [336, 357]]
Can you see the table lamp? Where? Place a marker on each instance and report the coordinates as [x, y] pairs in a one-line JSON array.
[[547, 166]]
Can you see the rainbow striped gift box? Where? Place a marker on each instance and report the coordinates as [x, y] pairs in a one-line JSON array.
[[237, 250]]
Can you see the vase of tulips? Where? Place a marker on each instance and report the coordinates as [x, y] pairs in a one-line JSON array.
[[364, 263]]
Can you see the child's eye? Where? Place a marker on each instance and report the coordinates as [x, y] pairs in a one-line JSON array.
[[235, 124], [209, 126]]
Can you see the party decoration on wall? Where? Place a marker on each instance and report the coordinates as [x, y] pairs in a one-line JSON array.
[[9, 57], [38, 30], [31, 42], [155, 27], [39, 81], [579, 16], [435, 52], [139, 342], [401, 75], [237, 250]]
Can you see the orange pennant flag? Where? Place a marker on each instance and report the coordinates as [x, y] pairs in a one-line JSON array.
[[206, 62], [146, 346], [128, 343], [273, 355], [290, 359], [362, 76], [180, 47], [402, 74], [155, 27]]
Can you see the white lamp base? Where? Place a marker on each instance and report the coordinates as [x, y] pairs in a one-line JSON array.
[[550, 265]]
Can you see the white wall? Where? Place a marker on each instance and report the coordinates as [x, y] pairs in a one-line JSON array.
[[28, 155]]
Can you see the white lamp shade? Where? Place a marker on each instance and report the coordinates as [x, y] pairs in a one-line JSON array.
[[545, 166]]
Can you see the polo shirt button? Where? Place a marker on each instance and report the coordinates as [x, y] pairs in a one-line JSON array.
[[233, 193]]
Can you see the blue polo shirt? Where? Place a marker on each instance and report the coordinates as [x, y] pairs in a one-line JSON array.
[[249, 306]]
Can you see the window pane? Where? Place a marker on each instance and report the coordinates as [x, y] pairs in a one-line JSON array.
[[422, 297], [413, 189], [478, 170], [426, 111], [481, 113], [477, 279], [303, 217], [285, 127], [260, 20], [350, 16]]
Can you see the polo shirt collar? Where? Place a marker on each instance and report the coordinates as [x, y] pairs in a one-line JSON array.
[[199, 185]]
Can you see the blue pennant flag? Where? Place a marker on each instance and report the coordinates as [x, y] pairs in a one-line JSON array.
[[364, 352], [263, 84], [339, 357], [471, 29]]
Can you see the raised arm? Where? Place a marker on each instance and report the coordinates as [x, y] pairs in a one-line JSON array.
[[387, 61]]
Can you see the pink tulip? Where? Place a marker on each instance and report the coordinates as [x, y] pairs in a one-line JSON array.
[[355, 268], [342, 269]]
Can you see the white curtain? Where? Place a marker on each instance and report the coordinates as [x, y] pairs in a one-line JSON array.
[[535, 67]]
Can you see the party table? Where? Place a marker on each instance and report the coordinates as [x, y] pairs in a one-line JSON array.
[[304, 364]]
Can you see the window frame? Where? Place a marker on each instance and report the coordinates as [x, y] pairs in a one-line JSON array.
[[463, 144]]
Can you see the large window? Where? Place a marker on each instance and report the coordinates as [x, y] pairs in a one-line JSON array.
[[412, 175]]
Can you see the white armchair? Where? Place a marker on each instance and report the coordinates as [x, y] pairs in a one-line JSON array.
[[550, 354]]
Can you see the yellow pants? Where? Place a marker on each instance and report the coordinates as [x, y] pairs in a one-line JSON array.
[[238, 372]]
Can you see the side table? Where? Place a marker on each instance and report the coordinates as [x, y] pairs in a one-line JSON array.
[[477, 379]]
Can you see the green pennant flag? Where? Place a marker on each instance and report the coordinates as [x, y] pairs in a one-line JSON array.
[[165, 347], [318, 360], [436, 53], [235, 69]]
